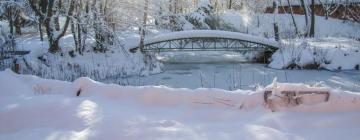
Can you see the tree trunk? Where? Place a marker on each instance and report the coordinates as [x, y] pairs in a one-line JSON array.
[[176, 6], [11, 21], [83, 28], [312, 27], [54, 45], [78, 9], [327, 15], [76, 28], [230, 4], [276, 27], [143, 28], [54, 38], [18, 30], [170, 6], [57, 23], [81, 47], [99, 38], [18, 25], [40, 29], [276, 30], [293, 18], [56, 20], [306, 16], [327, 11], [73, 31]]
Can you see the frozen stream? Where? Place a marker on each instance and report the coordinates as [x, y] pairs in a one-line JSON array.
[[222, 71]]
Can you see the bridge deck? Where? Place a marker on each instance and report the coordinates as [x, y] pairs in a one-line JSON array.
[[211, 34]]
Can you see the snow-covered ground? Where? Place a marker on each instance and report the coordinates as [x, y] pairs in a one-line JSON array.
[[35, 108], [113, 67], [333, 54], [334, 46], [117, 61], [262, 25]]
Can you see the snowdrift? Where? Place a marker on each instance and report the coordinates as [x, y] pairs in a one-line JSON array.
[[14, 85], [35, 108]]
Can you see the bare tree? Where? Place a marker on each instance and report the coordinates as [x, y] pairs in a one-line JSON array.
[[329, 7], [293, 18], [46, 10], [12, 10], [305, 8]]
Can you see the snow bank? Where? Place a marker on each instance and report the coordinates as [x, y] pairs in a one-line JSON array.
[[327, 53], [116, 62], [162, 96], [35, 108]]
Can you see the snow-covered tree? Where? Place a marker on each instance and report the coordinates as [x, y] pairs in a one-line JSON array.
[[198, 18], [13, 12], [49, 12]]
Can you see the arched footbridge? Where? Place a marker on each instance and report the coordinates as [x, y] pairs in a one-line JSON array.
[[207, 40]]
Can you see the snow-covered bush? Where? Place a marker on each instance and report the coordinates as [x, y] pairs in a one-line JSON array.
[[115, 62], [201, 16], [215, 22], [97, 66], [7, 43], [175, 23]]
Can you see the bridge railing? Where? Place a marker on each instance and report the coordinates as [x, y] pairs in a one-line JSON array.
[[207, 44]]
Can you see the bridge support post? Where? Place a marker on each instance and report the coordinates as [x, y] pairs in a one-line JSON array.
[[16, 66]]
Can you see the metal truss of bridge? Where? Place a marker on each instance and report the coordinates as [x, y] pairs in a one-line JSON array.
[[208, 40]]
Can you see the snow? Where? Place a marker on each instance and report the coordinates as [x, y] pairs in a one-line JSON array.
[[247, 22], [102, 66], [334, 46], [329, 53], [176, 107], [98, 66], [4, 26], [35, 108], [297, 2], [210, 34]]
